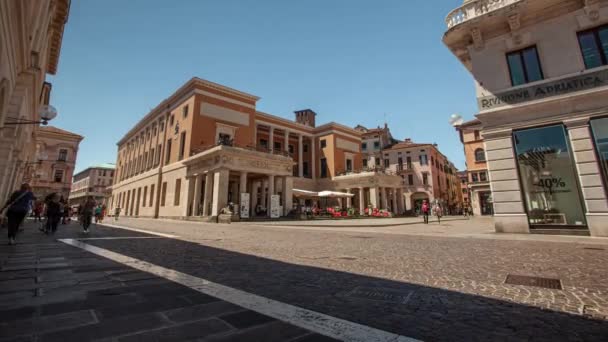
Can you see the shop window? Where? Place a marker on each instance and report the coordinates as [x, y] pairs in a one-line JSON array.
[[63, 155], [548, 178], [178, 189], [480, 155], [323, 143], [524, 66], [323, 168], [600, 136], [594, 46]]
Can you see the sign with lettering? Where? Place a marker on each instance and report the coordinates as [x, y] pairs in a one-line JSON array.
[[275, 206], [244, 205], [544, 90]]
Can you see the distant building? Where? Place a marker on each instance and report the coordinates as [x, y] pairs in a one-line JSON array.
[[464, 187], [426, 174], [373, 141], [56, 152], [478, 182], [95, 181]]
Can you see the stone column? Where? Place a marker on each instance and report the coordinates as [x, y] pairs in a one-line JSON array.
[[286, 149], [374, 197], [270, 193], [349, 200], [220, 191], [510, 216], [187, 209], [395, 206], [384, 198], [313, 158], [208, 194], [254, 197], [242, 184], [287, 194], [263, 193], [271, 139], [401, 200], [361, 200], [300, 157], [198, 183], [589, 175], [255, 136]]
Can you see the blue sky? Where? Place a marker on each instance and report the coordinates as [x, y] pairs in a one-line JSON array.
[[352, 61]]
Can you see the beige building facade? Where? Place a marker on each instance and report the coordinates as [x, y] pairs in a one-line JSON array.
[[541, 77], [55, 159], [207, 146], [30, 43], [94, 181]]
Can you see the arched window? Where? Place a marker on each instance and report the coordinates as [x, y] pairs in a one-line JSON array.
[[480, 155]]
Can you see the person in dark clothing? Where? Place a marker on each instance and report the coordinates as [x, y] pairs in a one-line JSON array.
[[53, 213], [86, 213], [18, 206], [426, 208]]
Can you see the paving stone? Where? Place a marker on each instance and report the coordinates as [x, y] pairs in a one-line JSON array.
[[29, 338], [17, 284], [246, 319], [47, 323], [5, 275], [32, 266], [271, 332], [133, 276], [315, 338], [198, 329], [197, 312], [109, 328], [17, 314], [127, 308], [53, 265], [89, 303], [43, 276]]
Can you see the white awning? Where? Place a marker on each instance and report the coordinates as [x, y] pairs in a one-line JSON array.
[[304, 193], [335, 194], [322, 194]]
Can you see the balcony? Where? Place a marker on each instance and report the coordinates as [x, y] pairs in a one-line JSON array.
[[475, 8], [404, 168]]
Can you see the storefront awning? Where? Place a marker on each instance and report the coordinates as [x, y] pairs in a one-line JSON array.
[[322, 194]]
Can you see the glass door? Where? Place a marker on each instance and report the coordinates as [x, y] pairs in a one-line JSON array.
[[548, 178]]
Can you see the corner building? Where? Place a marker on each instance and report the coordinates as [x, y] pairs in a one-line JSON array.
[[541, 79], [207, 146]]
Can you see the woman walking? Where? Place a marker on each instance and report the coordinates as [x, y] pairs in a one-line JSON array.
[[86, 213], [53, 213], [18, 206], [426, 208], [438, 210]]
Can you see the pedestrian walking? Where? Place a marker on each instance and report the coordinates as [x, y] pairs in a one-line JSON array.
[[116, 213], [103, 213], [426, 208], [38, 211], [438, 210], [97, 214], [465, 211], [53, 213], [16, 208], [86, 214]]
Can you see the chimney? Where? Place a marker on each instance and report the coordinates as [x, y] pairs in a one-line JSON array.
[[306, 117], [408, 140]]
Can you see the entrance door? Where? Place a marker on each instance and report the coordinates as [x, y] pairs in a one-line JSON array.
[[485, 203]]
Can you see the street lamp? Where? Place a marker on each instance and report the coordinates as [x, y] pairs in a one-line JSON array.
[[46, 112], [456, 120]]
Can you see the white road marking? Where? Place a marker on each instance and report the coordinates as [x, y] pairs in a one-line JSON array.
[[139, 230], [307, 319], [120, 238]]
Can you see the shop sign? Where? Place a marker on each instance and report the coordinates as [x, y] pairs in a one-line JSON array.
[[544, 90], [244, 205], [275, 206]]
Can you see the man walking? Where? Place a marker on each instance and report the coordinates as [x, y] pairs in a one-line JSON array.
[[18, 206], [86, 213], [426, 208]]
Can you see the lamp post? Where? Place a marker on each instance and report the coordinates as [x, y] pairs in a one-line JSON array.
[[46, 112]]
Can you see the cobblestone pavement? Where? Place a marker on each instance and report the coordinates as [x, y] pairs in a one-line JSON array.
[[50, 291], [426, 287]]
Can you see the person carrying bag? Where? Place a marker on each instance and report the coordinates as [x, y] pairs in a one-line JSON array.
[[16, 208]]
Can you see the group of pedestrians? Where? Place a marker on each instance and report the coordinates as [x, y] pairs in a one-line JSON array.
[[53, 207], [426, 211]]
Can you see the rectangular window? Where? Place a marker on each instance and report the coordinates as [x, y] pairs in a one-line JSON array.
[[400, 161], [376, 145], [305, 148], [474, 177], [425, 178], [185, 112], [63, 155], [163, 194], [386, 163], [483, 176], [151, 194], [323, 143], [364, 146], [277, 145], [264, 143], [168, 154], [323, 168], [290, 149], [594, 46], [182, 145], [58, 177], [143, 203], [408, 162], [305, 167], [423, 159], [477, 136], [364, 162], [599, 127], [151, 158], [548, 178], [349, 165], [171, 120], [410, 179], [178, 189], [377, 161], [524, 66]]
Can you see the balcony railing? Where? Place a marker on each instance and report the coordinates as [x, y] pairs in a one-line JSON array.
[[474, 9], [231, 143], [375, 169], [401, 168]]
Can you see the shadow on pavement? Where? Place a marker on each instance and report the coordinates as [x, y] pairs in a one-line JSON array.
[[408, 309]]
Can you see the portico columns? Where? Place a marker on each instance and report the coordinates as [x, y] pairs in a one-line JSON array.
[[313, 157], [271, 139], [361, 201], [270, 193], [384, 199], [243, 185], [263, 193], [286, 149], [220, 191], [198, 183], [300, 157], [189, 203], [395, 206], [287, 195], [349, 200], [374, 197], [208, 193], [401, 201]]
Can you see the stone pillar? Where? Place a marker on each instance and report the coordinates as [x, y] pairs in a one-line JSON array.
[[384, 198], [270, 193], [198, 183], [254, 196], [271, 139], [589, 175], [242, 185], [300, 157], [349, 200], [286, 149], [402, 204], [263, 193], [395, 206], [255, 136], [220, 191], [187, 210], [509, 213], [361, 200], [374, 197], [208, 194], [287, 194], [313, 158]]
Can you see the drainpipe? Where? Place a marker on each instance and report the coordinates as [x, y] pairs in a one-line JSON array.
[[162, 163]]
